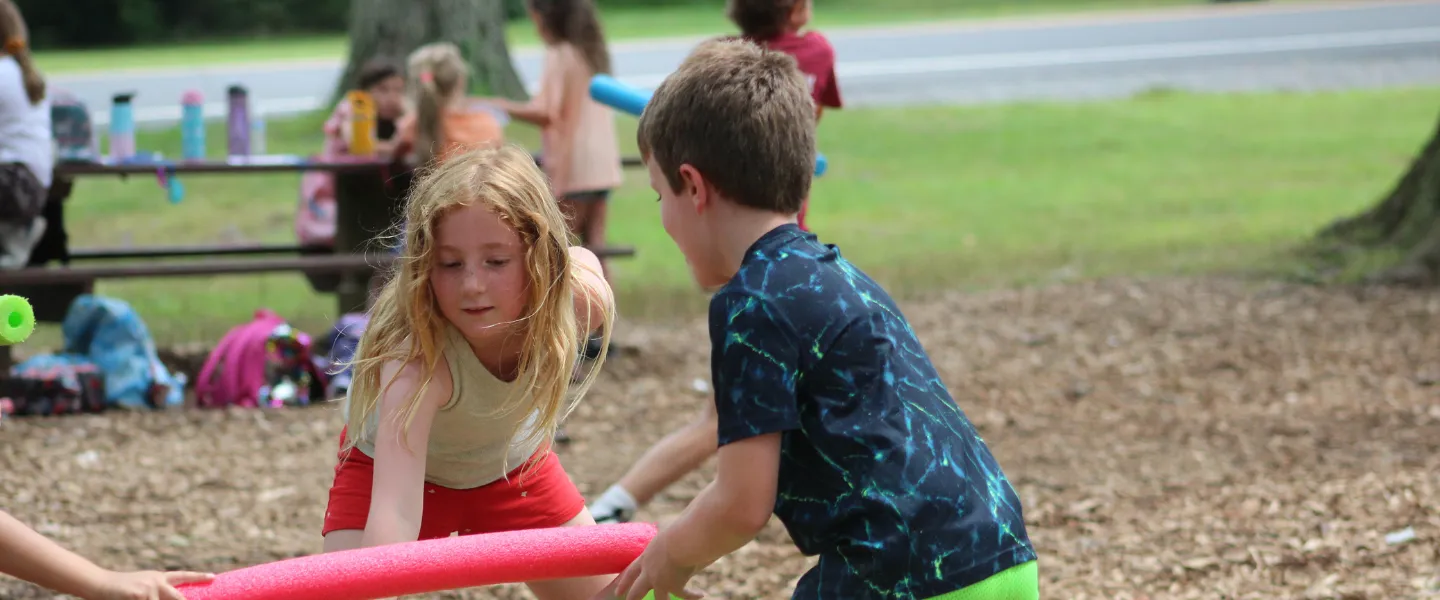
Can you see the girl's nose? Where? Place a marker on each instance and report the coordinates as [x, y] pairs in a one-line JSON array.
[[473, 282]]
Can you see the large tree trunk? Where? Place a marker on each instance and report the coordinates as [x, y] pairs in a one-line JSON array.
[[1406, 220], [392, 29]]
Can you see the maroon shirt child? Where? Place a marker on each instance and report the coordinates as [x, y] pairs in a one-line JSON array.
[[816, 59]]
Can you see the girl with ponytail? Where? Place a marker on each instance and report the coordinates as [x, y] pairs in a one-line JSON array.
[[447, 121]]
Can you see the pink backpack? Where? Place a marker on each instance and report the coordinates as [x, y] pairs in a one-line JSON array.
[[236, 370]]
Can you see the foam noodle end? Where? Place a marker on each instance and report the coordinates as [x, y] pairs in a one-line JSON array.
[[17, 320]]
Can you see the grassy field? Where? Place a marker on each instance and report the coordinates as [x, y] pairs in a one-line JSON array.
[[923, 198], [620, 24]]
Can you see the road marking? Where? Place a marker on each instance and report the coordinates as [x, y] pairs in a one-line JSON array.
[[683, 43], [963, 63], [1140, 52]]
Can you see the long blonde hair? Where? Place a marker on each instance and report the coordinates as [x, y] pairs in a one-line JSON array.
[[15, 40], [406, 324], [437, 73]]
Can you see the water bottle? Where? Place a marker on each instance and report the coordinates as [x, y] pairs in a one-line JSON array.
[[238, 122], [362, 123], [257, 133], [192, 125], [122, 127]]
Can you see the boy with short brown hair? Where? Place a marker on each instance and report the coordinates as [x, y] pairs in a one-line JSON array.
[[772, 24], [830, 414]]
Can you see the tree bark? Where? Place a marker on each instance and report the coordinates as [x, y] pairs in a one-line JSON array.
[[392, 29], [1407, 219]]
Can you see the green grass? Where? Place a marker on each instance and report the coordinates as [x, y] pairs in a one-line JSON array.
[[620, 24], [922, 198]]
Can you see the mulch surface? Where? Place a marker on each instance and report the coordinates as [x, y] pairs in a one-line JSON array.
[[1182, 438]]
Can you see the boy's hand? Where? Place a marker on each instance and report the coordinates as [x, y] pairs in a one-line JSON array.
[[146, 585], [653, 571]]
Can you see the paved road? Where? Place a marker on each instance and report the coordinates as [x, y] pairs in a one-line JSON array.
[[1210, 48]]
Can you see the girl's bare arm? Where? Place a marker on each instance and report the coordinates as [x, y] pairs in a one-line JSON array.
[[593, 293], [35, 558], [398, 491]]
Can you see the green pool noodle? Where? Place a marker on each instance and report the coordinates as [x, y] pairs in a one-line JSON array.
[[17, 320]]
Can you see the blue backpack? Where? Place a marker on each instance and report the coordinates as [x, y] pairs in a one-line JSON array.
[[108, 333]]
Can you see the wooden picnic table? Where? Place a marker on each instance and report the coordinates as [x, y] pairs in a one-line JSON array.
[[364, 207]]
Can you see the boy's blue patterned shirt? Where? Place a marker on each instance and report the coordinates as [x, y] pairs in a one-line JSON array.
[[881, 474]]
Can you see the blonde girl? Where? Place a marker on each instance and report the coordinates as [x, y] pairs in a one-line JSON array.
[[464, 370], [579, 147], [447, 121]]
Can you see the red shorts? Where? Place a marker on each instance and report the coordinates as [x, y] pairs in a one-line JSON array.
[[546, 498]]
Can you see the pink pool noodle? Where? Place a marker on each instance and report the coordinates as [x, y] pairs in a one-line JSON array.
[[435, 565]]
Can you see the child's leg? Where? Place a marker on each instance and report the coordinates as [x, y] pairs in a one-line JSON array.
[[585, 216], [594, 227], [573, 207], [674, 456]]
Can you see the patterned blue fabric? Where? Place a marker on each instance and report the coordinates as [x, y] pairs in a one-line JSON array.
[[881, 473], [112, 336], [344, 341]]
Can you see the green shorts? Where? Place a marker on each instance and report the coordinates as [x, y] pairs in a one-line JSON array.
[[1020, 582]]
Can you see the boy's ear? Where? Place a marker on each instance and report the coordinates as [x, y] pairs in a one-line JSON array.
[[694, 185]]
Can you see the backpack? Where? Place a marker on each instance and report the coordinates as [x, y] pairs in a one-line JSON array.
[[265, 362], [343, 341], [53, 384], [71, 127], [110, 335]]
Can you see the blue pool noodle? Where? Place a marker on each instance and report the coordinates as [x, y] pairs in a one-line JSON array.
[[609, 91]]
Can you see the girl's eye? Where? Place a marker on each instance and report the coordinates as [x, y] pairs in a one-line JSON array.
[[450, 265], [498, 262]]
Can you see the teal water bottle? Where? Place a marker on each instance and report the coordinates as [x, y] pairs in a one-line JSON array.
[[192, 125], [122, 127]]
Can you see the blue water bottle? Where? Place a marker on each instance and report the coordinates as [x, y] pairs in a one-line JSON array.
[[192, 125], [122, 127]]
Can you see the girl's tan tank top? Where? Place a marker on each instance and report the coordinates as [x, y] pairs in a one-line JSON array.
[[471, 442]]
